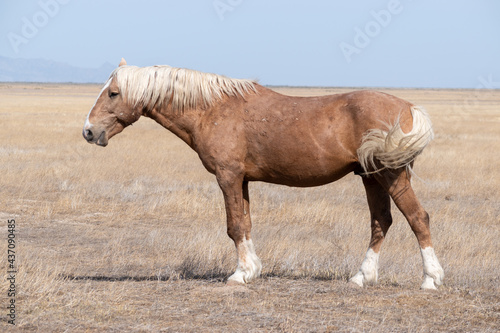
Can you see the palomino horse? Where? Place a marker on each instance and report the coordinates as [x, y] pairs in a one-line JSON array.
[[245, 132]]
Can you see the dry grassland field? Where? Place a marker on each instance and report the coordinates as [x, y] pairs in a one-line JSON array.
[[132, 237]]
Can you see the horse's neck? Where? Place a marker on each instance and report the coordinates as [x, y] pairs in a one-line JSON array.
[[181, 124]]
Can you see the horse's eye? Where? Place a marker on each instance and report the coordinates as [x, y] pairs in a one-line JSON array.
[[113, 94]]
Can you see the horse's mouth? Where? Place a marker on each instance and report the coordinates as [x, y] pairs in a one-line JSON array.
[[102, 140]]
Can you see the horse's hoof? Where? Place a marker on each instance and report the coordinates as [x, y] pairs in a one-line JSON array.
[[234, 283], [357, 280]]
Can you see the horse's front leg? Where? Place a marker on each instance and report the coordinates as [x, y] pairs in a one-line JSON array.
[[237, 202]]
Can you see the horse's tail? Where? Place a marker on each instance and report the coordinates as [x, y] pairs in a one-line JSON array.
[[393, 149]]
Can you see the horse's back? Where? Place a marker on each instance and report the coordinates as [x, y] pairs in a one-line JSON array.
[[304, 141]]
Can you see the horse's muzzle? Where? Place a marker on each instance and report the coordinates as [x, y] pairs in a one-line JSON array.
[[99, 139]]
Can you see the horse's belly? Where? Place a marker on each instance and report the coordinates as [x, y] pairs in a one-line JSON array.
[[303, 169]]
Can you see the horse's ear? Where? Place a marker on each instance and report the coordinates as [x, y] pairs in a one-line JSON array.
[[122, 62]]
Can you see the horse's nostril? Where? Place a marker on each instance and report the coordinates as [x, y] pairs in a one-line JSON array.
[[89, 135]]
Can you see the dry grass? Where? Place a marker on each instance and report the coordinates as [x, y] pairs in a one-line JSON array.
[[132, 237]]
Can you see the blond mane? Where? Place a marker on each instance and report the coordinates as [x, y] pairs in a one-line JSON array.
[[184, 88]]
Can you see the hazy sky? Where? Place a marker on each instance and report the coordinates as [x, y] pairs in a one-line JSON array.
[[387, 43]]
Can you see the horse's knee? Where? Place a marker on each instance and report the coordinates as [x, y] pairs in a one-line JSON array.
[[237, 232], [234, 233]]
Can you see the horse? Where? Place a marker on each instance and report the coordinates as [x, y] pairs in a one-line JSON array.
[[244, 132]]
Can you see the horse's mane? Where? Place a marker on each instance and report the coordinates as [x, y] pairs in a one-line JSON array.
[[184, 88]]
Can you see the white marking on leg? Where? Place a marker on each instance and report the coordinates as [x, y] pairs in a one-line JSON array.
[[249, 265], [368, 273], [433, 272]]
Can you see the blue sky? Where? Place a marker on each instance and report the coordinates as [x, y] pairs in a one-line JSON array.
[[387, 43]]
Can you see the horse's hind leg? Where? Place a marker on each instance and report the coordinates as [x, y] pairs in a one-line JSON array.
[[379, 203], [238, 227], [402, 193]]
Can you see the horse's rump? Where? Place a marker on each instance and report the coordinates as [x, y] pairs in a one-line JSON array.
[[392, 148]]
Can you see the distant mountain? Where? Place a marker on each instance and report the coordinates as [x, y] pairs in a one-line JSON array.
[[39, 70]]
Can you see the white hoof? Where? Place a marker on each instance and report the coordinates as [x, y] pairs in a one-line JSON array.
[[368, 273], [433, 272], [357, 279], [249, 265], [237, 278], [428, 283]]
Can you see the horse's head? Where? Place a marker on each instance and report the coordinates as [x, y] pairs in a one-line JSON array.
[[110, 114]]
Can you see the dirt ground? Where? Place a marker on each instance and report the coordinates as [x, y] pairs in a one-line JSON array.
[[127, 239], [268, 304]]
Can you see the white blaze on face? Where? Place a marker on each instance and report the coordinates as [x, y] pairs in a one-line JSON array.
[[368, 273], [87, 124]]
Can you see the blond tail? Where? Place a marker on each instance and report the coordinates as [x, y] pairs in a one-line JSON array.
[[395, 149]]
